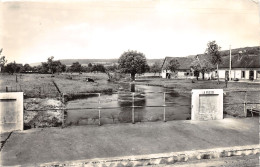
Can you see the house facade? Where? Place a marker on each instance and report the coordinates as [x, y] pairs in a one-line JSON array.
[[243, 67], [184, 71]]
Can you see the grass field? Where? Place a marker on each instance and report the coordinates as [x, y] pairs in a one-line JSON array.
[[73, 85], [41, 85], [235, 95], [77, 83], [33, 85]]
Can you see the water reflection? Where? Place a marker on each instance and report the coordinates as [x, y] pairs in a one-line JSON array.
[[126, 101], [117, 108]]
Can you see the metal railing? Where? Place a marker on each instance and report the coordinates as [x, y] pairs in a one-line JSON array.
[[133, 106]]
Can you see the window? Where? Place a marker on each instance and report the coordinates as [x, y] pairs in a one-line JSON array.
[[243, 74]]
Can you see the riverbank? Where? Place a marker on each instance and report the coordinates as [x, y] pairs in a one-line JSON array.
[[235, 95], [55, 145]]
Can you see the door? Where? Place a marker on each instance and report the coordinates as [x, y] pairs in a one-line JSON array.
[[251, 75]]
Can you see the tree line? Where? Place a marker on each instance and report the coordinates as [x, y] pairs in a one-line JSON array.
[[52, 66], [131, 62]]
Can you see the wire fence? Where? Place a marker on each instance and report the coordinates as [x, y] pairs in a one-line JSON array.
[[135, 110], [43, 90]]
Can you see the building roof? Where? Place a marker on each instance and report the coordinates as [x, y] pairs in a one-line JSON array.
[[237, 61], [184, 62], [241, 61]]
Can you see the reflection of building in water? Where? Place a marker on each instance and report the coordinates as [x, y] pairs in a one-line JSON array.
[[126, 100]]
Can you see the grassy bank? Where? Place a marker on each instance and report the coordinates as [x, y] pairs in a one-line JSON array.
[[76, 84], [33, 85], [235, 94]]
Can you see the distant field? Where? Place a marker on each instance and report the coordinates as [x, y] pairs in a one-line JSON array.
[[77, 83], [41, 85], [33, 85]]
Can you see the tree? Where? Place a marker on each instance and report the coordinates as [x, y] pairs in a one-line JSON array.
[[201, 66], [213, 51], [89, 65], [132, 62], [55, 66], [196, 67], [156, 67], [2, 60], [75, 67], [51, 65], [112, 68], [172, 65], [26, 68], [98, 68], [43, 68], [13, 67], [206, 67]]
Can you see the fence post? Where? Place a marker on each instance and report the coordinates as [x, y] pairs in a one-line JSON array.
[[245, 106], [6, 89], [164, 105], [63, 110], [99, 113], [133, 107]]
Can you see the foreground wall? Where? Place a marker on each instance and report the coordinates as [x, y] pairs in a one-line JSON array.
[[11, 111]]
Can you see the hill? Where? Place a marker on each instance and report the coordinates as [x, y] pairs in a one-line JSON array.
[[224, 53], [85, 62]]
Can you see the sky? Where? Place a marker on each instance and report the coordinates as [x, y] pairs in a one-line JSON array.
[[32, 31]]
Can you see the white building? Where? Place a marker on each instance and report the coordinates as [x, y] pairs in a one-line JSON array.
[[242, 67], [184, 70]]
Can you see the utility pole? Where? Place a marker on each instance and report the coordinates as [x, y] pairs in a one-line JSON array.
[[230, 61]]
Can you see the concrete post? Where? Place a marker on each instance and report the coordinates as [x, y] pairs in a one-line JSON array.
[[63, 110], [164, 105], [245, 106], [99, 113]]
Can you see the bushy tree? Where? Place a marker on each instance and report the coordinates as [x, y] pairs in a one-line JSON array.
[[2, 60], [132, 62], [201, 66], [26, 68], [76, 67], [112, 68], [213, 50], [55, 66], [98, 68], [90, 65], [172, 65], [13, 67], [156, 67], [43, 68]]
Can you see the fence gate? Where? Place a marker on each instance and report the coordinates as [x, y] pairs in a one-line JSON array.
[[11, 111]]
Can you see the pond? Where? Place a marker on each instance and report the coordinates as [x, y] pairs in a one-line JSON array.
[[117, 107]]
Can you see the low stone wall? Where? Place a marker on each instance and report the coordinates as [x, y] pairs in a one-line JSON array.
[[167, 158]]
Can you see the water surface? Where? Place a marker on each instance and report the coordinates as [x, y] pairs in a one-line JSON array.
[[117, 108]]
